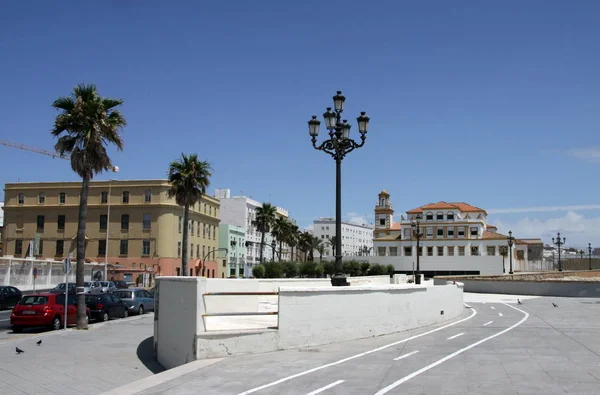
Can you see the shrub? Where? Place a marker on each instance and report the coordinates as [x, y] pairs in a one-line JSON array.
[[390, 270], [307, 269], [258, 271], [273, 269], [290, 269], [376, 270], [319, 270], [328, 268]]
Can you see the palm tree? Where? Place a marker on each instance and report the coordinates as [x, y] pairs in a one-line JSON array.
[[280, 231], [189, 177], [331, 241], [305, 242], [265, 217], [315, 244], [292, 238], [86, 125], [321, 250]]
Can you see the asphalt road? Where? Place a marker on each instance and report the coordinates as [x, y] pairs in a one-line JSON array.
[[493, 348]]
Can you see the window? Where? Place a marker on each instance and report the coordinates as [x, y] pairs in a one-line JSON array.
[[407, 234], [381, 251], [450, 250], [145, 247], [407, 251], [440, 232], [192, 227], [450, 216], [178, 249], [19, 222], [21, 198], [192, 250], [429, 231], [393, 251], [104, 198], [61, 222], [429, 217], [520, 254], [420, 251], [474, 231], [18, 247], [125, 196], [41, 198], [440, 251], [382, 221], [461, 231], [148, 196], [40, 223], [474, 251], [198, 250], [439, 216], [179, 223], [123, 247], [491, 250], [429, 251], [461, 251], [40, 251], [60, 248], [102, 247], [450, 232], [147, 221], [124, 221], [103, 221], [214, 233], [203, 251], [62, 198]]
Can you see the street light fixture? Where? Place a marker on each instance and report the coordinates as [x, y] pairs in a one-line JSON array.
[[338, 146], [511, 241], [418, 233], [590, 254], [558, 242]]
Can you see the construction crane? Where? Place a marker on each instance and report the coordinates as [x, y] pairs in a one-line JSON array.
[[33, 149]]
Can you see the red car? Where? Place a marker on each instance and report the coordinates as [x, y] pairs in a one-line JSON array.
[[44, 309]]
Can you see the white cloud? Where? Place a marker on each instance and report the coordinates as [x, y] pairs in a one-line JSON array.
[[356, 218], [578, 230], [543, 209], [591, 155]]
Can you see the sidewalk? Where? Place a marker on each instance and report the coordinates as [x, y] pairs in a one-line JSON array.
[[106, 356]]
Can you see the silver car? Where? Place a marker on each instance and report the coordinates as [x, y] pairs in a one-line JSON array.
[[98, 287], [138, 299]]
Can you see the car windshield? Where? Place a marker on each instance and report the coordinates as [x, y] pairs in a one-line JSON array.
[[86, 284], [33, 300], [123, 294], [60, 286], [104, 283]]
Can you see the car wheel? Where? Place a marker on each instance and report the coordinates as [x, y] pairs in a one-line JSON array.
[[125, 313], [104, 316], [56, 323], [87, 318], [141, 310], [17, 329]]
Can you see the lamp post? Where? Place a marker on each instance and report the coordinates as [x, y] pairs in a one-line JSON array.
[[511, 241], [273, 246], [590, 254], [338, 146], [115, 169], [558, 242], [418, 233], [211, 252], [503, 253]]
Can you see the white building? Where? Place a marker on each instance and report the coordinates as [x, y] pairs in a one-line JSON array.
[[456, 239], [357, 240], [241, 211]]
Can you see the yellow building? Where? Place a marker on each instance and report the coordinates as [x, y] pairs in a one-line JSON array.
[[144, 228]]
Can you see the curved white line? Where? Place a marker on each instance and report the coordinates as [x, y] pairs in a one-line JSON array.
[[355, 356], [447, 357]]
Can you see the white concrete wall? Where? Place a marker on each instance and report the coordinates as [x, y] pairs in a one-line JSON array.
[[369, 280], [316, 316]]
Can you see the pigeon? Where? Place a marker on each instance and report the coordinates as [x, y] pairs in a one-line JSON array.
[[554, 304], [39, 342], [18, 350], [518, 301]]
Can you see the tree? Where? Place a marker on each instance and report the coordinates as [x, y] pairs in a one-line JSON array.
[[321, 250], [86, 125], [290, 269], [292, 239], [328, 268], [305, 242], [258, 271], [281, 227], [189, 177], [376, 270], [319, 270], [273, 269], [364, 268], [315, 245], [265, 217], [390, 269], [307, 269], [331, 241]]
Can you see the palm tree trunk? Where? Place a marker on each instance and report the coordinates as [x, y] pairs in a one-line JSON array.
[[320, 257], [80, 268], [262, 245], [184, 241], [292, 251], [280, 248]]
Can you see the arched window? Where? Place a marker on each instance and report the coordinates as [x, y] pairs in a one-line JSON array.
[[429, 216], [450, 216], [439, 216]]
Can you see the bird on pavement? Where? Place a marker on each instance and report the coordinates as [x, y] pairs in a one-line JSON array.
[[39, 342], [554, 304], [519, 301], [18, 350]]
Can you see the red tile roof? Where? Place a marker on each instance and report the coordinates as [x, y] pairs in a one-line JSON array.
[[464, 207], [396, 226]]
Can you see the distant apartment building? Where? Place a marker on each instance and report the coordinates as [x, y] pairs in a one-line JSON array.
[[241, 211], [357, 240], [233, 238], [144, 228], [1, 225]]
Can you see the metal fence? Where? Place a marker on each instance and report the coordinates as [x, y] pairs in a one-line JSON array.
[[531, 266], [19, 273]]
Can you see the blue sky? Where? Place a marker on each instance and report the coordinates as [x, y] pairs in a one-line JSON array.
[[492, 103]]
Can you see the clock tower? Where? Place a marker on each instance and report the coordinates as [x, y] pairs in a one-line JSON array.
[[384, 215]]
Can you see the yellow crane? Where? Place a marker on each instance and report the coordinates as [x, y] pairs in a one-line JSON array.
[[34, 149]]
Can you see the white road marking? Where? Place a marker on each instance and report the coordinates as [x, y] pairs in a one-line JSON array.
[[8, 319], [487, 323], [262, 387], [406, 355], [500, 314], [447, 357], [325, 388], [455, 336], [493, 308]]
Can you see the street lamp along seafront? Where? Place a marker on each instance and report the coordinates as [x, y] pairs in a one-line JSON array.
[[418, 233], [559, 243], [338, 146], [510, 240]]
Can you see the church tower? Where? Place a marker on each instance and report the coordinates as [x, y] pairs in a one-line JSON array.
[[384, 215]]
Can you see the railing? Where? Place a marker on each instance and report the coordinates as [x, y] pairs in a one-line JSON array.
[[240, 313]]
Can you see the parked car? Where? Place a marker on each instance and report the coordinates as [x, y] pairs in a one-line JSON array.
[[137, 299], [106, 306], [9, 297], [44, 309], [60, 288], [120, 284]]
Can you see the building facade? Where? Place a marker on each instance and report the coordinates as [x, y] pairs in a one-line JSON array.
[[357, 240], [456, 238], [143, 232], [234, 239], [241, 211]]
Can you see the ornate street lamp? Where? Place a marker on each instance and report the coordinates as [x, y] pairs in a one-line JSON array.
[[338, 146], [511, 241], [418, 233], [590, 254], [558, 242]]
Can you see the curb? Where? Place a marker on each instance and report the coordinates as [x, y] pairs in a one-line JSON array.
[[160, 378]]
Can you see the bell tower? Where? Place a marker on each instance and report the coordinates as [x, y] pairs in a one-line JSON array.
[[384, 214]]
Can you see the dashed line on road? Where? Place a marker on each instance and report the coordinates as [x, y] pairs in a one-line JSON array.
[[493, 308], [450, 356], [455, 336], [487, 323], [318, 391], [8, 319], [283, 380], [500, 314], [406, 355]]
